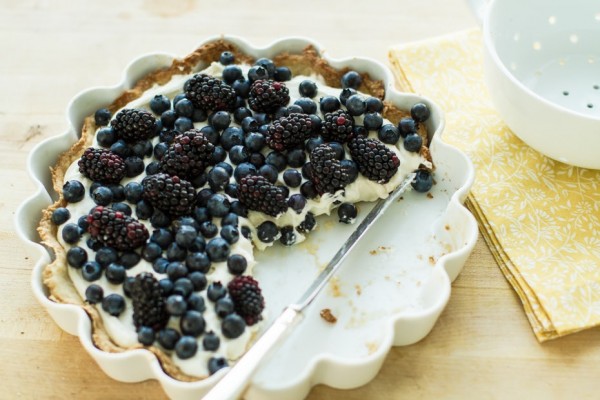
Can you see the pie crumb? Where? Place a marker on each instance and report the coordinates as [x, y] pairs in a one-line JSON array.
[[328, 316]]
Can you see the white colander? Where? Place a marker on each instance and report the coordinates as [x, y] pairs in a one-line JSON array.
[[542, 68]]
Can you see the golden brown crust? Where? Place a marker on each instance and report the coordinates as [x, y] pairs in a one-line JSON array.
[[55, 275]]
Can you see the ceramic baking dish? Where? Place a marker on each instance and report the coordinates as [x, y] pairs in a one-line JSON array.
[[389, 292]]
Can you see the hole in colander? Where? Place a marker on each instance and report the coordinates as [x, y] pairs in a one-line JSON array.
[[565, 93], [590, 105]]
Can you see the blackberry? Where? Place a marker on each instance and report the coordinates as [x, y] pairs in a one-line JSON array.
[[257, 193], [288, 132], [133, 124], [247, 298], [328, 174], [337, 126], [308, 224], [375, 161], [102, 165], [169, 194], [114, 229], [208, 93], [188, 155], [267, 96]]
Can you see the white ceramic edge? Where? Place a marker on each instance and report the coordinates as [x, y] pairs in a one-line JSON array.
[[541, 124], [139, 365]]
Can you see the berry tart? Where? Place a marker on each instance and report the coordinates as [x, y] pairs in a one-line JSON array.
[[174, 185]]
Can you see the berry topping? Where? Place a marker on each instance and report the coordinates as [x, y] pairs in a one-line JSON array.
[[208, 93], [247, 298], [102, 165], [267, 96], [347, 212], [188, 155], [258, 194], [308, 88], [233, 326], [328, 175], [338, 126], [351, 79], [102, 117], [420, 112], [423, 181], [160, 103], [132, 124], [288, 132], [413, 142], [169, 194], [389, 134], [60, 216], [148, 302], [114, 304], [186, 347], [267, 232], [375, 161], [114, 229], [216, 363]]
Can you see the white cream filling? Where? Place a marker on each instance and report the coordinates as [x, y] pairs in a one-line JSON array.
[[121, 329]]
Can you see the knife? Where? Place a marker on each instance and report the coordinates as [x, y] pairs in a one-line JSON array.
[[234, 383]]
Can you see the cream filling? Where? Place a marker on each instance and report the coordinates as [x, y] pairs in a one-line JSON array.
[[121, 329]]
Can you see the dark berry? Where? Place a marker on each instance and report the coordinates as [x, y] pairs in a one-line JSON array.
[[176, 269], [169, 194], [267, 95], [256, 193], [297, 202], [197, 279], [308, 224], [71, 233], [226, 58], [374, 104], [218, 249], [196, 302], [102, 196], [372, 121], [143, 209], [242, 87], [198, 261], [216, 363], [329, 104], [240, 113], [192, 323], [337, 126], [296, 158], [210, 341], [413, 142], [282, 74], [247, 297], [232, 73], [133, 166], [160, 103], [129, 259], [132, 124], [239, 154], [292, 177], [183, 124], [306, 105], [249, 124], [168, 338], [267, 64], [218, 178], [288, 236], [351, 79], [375, 161], [347, 212], [102, 116], [106, 255], [389, 134], [208, 229], [224, 306], [420, 112], [114, 304], [145, 335], [220, 120], [233, 326], [256, 73], [160, 265], [208, 93], [215, 291], [106, 137], [308, 88], [102, 165], [328, 174], [243, 170], [184, 108], [218, 205], [406, 126], [267, 232], [76, 257], [175, 305], [423, 181], [237, 264], [91, 271], [167, 118], [309, 190], [345, 95], [186, 347], [94, 293], [232, 136], [356, 105], [277, 159], [230, 233], [60, 216]]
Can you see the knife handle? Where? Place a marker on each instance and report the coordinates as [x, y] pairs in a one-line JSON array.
[[234, 383]]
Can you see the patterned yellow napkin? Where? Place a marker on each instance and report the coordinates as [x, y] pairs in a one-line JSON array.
[[540, 218]]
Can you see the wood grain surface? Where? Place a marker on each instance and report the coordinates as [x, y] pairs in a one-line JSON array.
[[482, 347]]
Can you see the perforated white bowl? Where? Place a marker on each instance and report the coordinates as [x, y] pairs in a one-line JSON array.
[[542, 67]]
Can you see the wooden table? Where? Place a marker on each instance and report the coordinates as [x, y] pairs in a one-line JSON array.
[[482, 346]]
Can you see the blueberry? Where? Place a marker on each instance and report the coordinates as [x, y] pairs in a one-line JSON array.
[[230, 233], [233, 326], [249, 124], [231, 190], [239, 209], [167, 135], [269, 172], [102, 117], [423, 181], [198, 261], [160, 103], [307, 172], [167, 118], [339, 150], [219, 120], [316, 123], [160, 219], [176, 269], [176, 252], [257, 72], [351, 169], [73, 191], [186, 347], [237, 264], [292, 177], [211, 134], [196, 302], [218, 205], [102, 196], [389, 134], [215, 291], [308, 88], [166, 285], [83, 223], [114, 304], [308, 106], [232, 73], [200, 214], [360, 130], [199, 115], [347, 213], [168, 338], [246, 232], [219, 154], [267, 232], [146, 335], [133, 166], [203, 196], [282, 74], [413, 142], [208, 229], [178, 98], [313, 142], [244, 169], [76, 257], [262, 118], [308, 224], [420, 112], [240, 113], [115, 273], [183, 287], [94, 293], [71, 233], [143, 209], [160, 265], [106, 255], [288, 236], [406, 126], [329, 104], [162, 237], [232, 136], [351, 79], [183, 124], [184, 108], [218, 249], [199, 244], [216, 363], [199, 181], [239, 154], [345, 94], [218, 178], [175, 305], [142, 148], [372, 121], [308, 190], [242, 87], [226, 58], [210, 341], [185, 236], [374, 104], [356, 105], [277, 159], [230, 219], [224, 306], [127, 285], [297, 202], [60, 216], [198, 280], [129, 259], [106, 137], [296, 158], [192, 323]]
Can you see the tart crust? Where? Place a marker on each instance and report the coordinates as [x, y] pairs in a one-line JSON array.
[[55, 276]]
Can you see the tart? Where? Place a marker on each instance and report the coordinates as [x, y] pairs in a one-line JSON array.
[[174, 185]]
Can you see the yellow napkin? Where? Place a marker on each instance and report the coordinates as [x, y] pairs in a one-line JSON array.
[[540, 218]]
